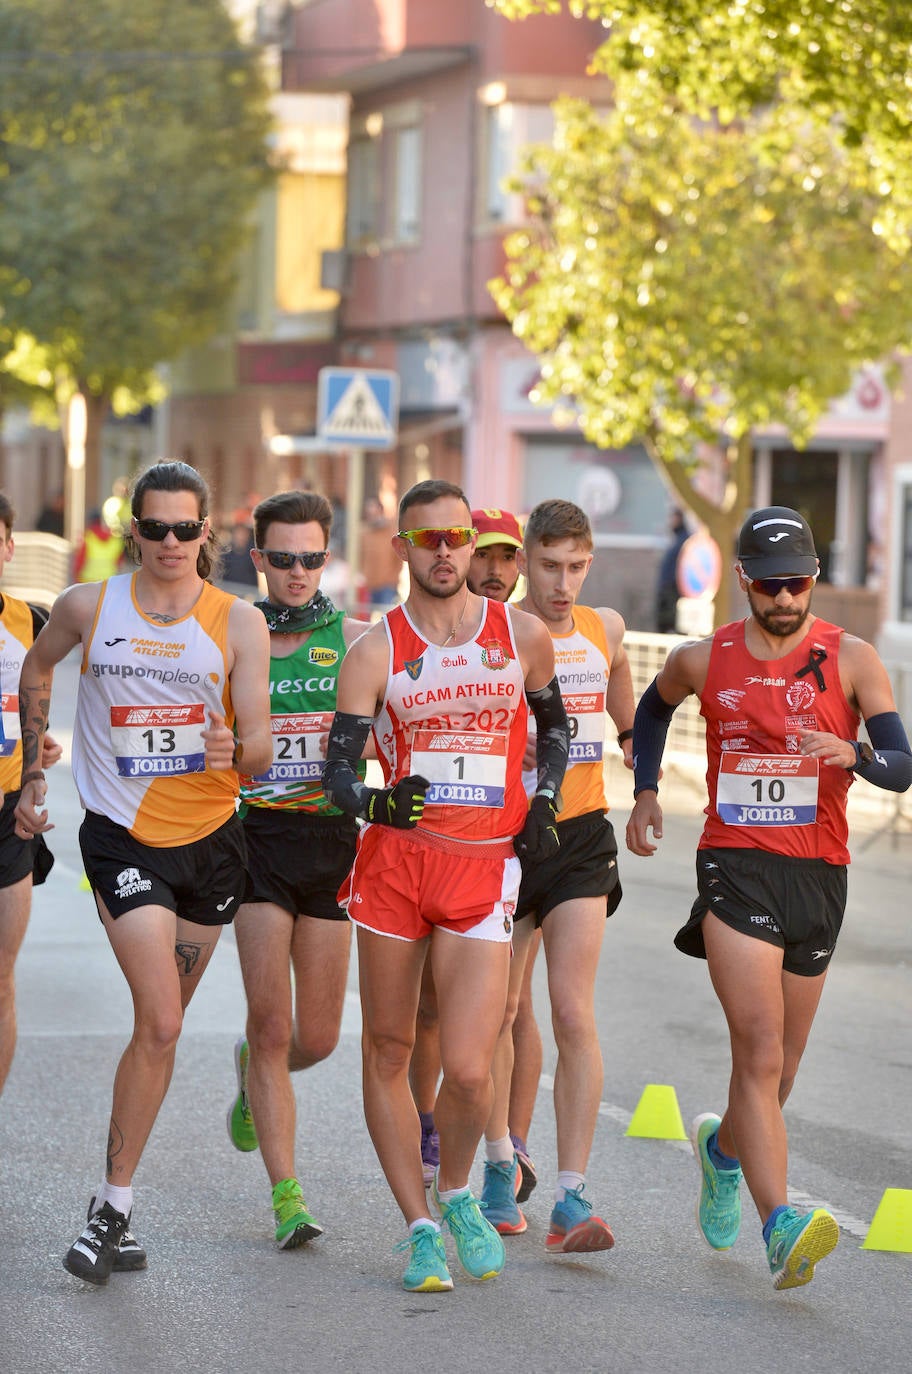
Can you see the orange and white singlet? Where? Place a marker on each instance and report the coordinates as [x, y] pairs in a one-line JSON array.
[[763, 793], [16, 635], [145, 693], [458, 717], [582, 663]]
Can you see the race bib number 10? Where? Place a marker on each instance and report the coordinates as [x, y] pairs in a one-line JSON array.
[[158, 741], [767, 789]]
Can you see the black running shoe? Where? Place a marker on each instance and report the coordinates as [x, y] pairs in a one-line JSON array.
[[131, 1255], [91, 1256]]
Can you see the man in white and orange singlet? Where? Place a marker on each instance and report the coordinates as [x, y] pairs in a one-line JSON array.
[[23, 863], [782, 693], [173, 695], [443, 681], [569, 895]]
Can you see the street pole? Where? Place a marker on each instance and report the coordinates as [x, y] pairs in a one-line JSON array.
[[74, 491]]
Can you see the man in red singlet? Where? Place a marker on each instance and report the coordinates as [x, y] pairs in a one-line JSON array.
[[782, 693]]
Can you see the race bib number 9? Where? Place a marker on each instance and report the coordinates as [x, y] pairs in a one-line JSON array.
[[298, 754], [463, 769], [767, 789], [586, 714], [10, 724], [158, 741]]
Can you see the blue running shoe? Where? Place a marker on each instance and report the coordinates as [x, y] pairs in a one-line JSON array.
[[528, 1176], [478, 1246], [719, 1207], [498, 1197], [574, 1230], [427, 1270], [797, 1243]]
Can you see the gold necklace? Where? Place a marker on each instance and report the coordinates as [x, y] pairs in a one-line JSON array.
[[453, 632]]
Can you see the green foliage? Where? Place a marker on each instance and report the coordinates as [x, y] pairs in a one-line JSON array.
[[132, 147]]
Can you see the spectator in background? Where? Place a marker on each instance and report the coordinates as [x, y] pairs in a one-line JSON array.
[[238, 574], [100, 553], [380, 563], [667, 588], [50, 518]]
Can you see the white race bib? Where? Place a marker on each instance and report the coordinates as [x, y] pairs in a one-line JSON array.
[[157, 741], [767, 789], [463, 769]]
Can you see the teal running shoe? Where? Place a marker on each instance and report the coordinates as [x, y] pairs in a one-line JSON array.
[[478, 1246], [498, 1197], [797, 1242], [574, 1229], [241, 1130], [719, 1207], [427, 1270], [294, 1224]]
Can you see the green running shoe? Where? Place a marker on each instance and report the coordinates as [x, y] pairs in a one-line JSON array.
[[478, 1246], [294, 1224], [241, 1129], [719, 1208], [797, 1242], [427, 1270]]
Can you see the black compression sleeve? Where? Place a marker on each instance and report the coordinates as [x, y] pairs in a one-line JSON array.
[[650, 730], [552, 744], [341, 784], [891, 767]]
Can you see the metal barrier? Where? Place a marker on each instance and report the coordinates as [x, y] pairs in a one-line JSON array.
[[40, 569]]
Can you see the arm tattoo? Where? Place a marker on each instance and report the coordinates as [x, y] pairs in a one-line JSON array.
[[34, 707]]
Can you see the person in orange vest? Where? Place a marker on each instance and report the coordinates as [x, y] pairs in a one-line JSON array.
[[101, 552]]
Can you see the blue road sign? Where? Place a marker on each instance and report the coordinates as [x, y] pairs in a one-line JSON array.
[[358, 407]]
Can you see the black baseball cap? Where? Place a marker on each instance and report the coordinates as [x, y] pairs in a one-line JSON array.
[[777, 542]]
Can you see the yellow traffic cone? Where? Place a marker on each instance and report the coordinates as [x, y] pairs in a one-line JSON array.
[[891, 1228], [658, 1115]]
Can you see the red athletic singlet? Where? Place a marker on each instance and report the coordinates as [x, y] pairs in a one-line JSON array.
[[764, 794]]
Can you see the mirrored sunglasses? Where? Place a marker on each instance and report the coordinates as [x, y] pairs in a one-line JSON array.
[[310, 561], [157, 530], [772, 586], [455, 537]]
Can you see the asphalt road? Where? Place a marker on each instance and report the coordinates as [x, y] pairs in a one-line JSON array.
[[219, 1297]]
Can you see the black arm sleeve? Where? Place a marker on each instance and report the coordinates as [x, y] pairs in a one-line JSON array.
[[650, 730], [891, 767], [552, 744], [341, 784]]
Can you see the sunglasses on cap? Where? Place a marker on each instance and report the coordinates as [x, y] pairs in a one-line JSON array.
[[157, 530], [772, 586], [310, 561], [455, 537]]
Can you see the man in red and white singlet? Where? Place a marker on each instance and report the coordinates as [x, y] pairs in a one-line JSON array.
[[782, 693], [443, 681]]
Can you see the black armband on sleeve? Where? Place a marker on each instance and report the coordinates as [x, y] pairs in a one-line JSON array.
[[341, 784], [891, 766], [552, 743], [650, 730]]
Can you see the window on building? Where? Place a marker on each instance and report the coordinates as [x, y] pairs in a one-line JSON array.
[[363, 191], [406, 225], [511, 127]]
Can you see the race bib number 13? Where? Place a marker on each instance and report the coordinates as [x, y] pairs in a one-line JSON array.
[[158, 741]]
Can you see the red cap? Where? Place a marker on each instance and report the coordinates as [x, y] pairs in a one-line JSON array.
[[497, 527]]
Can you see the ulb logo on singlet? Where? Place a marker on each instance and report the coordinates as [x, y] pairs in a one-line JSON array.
[[130, 883]]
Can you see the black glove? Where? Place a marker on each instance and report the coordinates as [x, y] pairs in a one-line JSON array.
[[538, 840], [400, 806]]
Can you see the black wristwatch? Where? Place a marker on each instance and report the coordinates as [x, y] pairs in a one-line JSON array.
[[863, 753]]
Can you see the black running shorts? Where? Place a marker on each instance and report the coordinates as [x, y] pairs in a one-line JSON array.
[[584, 866], [18, 857], [298, 860], [797, 904], [204, 882]]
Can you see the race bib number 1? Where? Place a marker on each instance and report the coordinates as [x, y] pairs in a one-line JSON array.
[[158, 741], [767, 789], [463, 769]]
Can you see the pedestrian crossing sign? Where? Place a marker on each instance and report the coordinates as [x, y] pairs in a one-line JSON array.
[[357, 407]]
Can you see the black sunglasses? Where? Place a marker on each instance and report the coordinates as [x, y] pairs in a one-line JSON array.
[[310, 561], [772, 586], [157, 530]]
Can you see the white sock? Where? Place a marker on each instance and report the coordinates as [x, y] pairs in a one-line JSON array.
[[500, 1151], [121, 1199], [423, 1221], [449, 1195], [567, 1181]]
